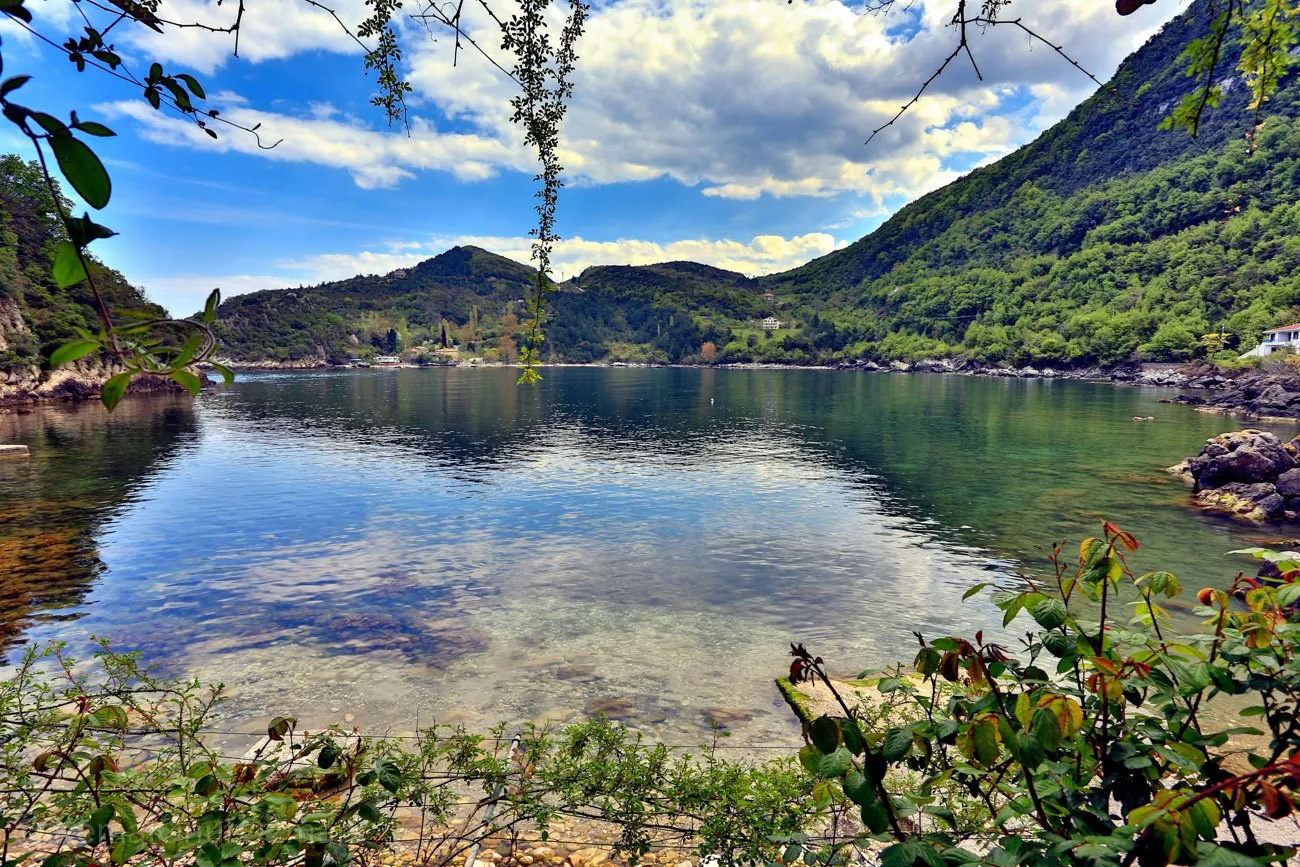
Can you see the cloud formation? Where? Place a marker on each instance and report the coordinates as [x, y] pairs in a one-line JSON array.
[[739, 98], [763, 254]]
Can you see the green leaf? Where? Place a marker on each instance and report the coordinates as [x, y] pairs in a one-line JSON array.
[[898, 743], [84, 171], [1160, 582], [1211, 855], [113, 390], [111, 716], [280, 726], [227, 375], [858, 789], [810, 757], [1288, 595], [126, 848], [389, 774], [329, 754], [90, 127], [976, 589], [369, 812], [1049, 613], [984, 740], [51, 124], [12, 84], [187, 380], [338, 853], [192, 83], [210, 306], [1058, 644], [826, 734], [835, 764], [1030, 750], [72, 350], [875, 817], [68, 270], [852, 736], [15, 9], [82, 230], [943, 813], [1046, 729]]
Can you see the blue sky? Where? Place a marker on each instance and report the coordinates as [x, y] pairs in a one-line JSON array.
[[728, 132]]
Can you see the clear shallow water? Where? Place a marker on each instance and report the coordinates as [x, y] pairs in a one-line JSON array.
[[446, 544]]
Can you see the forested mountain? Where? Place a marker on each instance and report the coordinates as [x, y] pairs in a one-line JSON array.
[[1107, 239], [36, 316], [1103, 238], [466, 291]]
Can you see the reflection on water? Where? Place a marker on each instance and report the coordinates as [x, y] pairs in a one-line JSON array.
[[84, 466], [646, 542]]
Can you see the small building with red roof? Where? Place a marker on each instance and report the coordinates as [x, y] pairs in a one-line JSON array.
[[1285, 337]]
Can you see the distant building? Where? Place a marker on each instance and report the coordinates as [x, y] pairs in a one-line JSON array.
[[1286, 337], [771, 323], [387, 359], [769, 298], [449, 352]]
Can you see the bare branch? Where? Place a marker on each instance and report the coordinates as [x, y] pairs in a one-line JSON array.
[[985, 19], [453, 23]]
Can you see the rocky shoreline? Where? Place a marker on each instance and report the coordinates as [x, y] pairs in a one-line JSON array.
[[1251, 394], [1248, 474], [80, 380]]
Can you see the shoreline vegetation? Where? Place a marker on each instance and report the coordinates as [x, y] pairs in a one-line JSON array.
[[909, 766], [1266, 393]]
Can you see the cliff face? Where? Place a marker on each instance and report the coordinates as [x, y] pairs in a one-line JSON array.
[[80, 380], [37, 315]]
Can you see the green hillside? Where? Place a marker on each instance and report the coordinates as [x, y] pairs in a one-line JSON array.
[[35, 315], [1103, 241], [466, 291], [1103, 238]]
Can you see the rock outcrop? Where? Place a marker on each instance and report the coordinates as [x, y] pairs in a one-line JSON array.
[[24, 382], [1265, 394], [1248, 474]]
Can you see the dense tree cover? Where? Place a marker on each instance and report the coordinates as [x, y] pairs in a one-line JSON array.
[[1105, 240], [1138, 266], [29, 230], [464, 294]]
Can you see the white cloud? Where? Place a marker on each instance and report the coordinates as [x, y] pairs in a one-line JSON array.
[[328, 137], [269, 30], [738, 97], [762, 254]]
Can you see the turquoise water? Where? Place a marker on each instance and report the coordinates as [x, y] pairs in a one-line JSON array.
[[448, 545]]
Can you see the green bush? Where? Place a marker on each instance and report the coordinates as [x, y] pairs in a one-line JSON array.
[[1088, 744]]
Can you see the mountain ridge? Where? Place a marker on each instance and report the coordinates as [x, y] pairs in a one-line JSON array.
[[1102, 241]]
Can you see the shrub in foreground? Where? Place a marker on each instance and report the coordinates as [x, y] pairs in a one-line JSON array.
[[1090, 742]]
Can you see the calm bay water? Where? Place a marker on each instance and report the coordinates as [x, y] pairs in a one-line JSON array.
[[444, 543]]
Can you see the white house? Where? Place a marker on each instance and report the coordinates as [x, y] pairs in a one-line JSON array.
[[771, 323], [1286, 337]]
